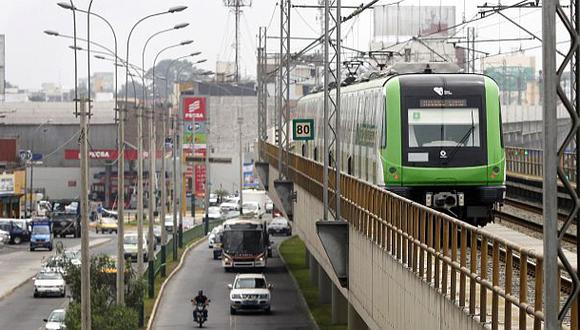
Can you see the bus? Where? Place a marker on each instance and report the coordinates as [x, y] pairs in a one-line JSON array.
[[245, 244]]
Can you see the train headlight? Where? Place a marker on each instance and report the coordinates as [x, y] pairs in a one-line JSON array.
[[461, 199]]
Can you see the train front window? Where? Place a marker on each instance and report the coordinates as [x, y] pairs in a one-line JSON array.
[[443, 127]]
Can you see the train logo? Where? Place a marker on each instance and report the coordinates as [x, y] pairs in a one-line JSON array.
[[441, 91], [443, 154]]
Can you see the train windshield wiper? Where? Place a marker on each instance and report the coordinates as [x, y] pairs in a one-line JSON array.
[[461, 142]]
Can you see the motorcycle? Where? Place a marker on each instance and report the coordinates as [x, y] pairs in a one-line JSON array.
[[199, 314]]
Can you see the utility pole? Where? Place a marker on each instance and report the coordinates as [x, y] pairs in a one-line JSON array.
[[284, 90], [152, 200], [140, 187], [236, 6], [163, 187], [85, 257], [241, 160], [207, 178], [176, 147], [237, 46]]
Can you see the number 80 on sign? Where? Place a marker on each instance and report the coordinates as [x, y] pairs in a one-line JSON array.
[[303, 129]]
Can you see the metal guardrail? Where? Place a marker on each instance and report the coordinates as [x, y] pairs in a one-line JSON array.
[[455, 258], [530, 162]]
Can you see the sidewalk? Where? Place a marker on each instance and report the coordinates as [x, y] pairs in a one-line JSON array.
[[18, 267]]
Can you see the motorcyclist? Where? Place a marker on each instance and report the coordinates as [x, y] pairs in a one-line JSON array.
[[200, 299]]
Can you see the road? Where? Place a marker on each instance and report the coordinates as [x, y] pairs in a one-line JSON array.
[[20, 310], [200, 271]]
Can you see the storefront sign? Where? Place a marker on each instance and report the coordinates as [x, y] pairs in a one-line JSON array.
[[7, 184]]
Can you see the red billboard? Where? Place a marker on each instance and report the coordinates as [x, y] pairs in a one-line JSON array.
[[194, 107]]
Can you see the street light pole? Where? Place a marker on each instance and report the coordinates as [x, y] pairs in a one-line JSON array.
[[152, 199], [140, 152], [121, 266]]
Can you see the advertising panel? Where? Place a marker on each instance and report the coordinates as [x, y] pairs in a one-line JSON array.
[[413, 20], [106, 154], [6, 184], [195, 133], [250, 180]]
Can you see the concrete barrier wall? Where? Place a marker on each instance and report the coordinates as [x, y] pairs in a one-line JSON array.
[[384, 293]]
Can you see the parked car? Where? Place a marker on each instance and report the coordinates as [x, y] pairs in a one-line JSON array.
[[250, 292], [4, 237], [17, 230], [49, 284], [55, 320], [280, 226], [130, 247], [106, 225]]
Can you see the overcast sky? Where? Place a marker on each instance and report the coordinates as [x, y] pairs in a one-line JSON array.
[[33, 57]]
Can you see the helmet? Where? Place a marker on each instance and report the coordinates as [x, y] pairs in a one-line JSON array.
[[200, 293]]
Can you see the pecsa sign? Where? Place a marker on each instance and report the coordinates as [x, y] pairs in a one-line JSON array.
[[194, 107]]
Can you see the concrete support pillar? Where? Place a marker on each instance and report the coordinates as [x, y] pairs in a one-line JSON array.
[[339, 306], [355, 322], [313, 270], [324, 287], [307, 257]]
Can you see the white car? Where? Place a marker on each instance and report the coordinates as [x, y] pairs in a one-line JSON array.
[[253, 208], [228, 207], [4, 237], [130, 247], [55, 320], [213, 234], [214, 213], [280, 225], [250, 292], [169, 223], [49, 284]]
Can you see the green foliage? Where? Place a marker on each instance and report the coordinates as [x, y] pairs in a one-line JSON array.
[[105, 313], [221, 192]]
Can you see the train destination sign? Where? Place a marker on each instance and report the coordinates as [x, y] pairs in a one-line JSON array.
[[303, 129]]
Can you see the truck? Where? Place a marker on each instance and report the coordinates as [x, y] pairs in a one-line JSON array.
[[66, 217], [41, 234], [245, 244]]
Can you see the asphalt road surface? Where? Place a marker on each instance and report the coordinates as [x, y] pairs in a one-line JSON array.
[[20, 310], [200, 271]]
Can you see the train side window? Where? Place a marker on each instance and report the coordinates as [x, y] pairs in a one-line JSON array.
[[303, 150], [500, 126], [315, 154], [349, 165]]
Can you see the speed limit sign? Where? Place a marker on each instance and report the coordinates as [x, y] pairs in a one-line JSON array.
[[303, 129]]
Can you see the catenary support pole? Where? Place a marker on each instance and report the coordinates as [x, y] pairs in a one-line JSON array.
[[550, 203]]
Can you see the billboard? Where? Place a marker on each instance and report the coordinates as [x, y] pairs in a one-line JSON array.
[[195, 134], [2, 67], [7, 184], [392, 20]]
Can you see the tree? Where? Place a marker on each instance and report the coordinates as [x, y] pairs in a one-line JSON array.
[[105, 313]]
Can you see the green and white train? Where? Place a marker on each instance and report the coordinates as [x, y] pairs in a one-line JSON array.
[[435, 138]]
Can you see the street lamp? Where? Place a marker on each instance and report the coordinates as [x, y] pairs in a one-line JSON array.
[[140, 149], [175, 145], [152, 201], [48, 121], [121, 266], [70, 6]]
